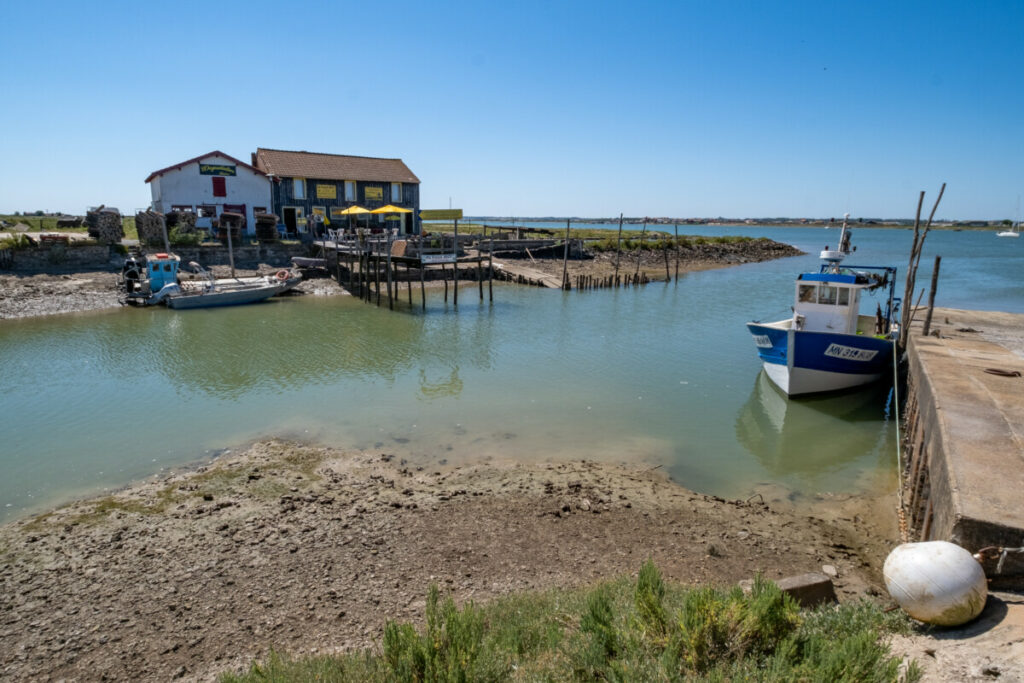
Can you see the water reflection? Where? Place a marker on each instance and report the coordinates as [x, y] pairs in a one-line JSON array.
[[279, 346], [451, 386], [810, 435]]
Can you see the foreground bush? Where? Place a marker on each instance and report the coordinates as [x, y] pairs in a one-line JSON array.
[[620, 631]]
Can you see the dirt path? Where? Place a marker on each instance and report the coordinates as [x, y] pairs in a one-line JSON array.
[[305, 548]]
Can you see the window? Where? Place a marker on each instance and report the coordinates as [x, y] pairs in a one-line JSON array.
[[844, 296], [299, 188], [181, 207], [350, 190], [258, 209], [808, 294], [220, 186], [396, 192], [207, 211], [827, 295]]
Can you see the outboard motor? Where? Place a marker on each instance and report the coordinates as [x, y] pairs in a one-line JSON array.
[[132, 272]]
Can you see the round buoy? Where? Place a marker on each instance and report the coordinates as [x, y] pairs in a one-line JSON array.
[[936, 582], [282, 275]]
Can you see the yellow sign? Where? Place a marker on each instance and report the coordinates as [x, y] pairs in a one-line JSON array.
[[441, 214], [337, 211], [326, 191], [392, 217], [319, 211], [374, 193]]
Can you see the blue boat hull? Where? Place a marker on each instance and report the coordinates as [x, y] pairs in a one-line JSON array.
[[805, 362]]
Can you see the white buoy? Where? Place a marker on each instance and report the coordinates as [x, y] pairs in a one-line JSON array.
[[936, 582]]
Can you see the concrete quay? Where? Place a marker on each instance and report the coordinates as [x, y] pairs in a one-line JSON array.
[[964, 440]]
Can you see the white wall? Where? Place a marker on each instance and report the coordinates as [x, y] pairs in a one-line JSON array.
[[185, 187]]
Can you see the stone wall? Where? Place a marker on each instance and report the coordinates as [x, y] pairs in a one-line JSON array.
[[65, 259]]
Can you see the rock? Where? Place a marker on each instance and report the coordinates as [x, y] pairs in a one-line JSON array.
[[830, 570], [810, 589]]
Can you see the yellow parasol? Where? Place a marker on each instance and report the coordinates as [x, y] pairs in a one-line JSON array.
[[354, 210], [391, 209]]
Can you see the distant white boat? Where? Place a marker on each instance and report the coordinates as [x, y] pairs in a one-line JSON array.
[[1013, 232]]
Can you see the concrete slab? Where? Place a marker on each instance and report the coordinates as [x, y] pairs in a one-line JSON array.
[[976, 425]]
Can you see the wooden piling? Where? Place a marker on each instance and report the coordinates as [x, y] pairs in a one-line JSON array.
[[444, 276], [423, 288], [677, 251], [931, 296], [391, 299], [618, 248], [668, 278], [455, 268], [565, 257], [490, 272], [408, 281]]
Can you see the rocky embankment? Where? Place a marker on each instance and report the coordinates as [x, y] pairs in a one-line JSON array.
[[303, 548]]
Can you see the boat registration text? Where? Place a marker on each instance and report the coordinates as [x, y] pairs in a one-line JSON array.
[[849, 353], [763, 341]]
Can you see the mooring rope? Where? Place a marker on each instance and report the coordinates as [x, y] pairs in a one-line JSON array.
[[901, 512]]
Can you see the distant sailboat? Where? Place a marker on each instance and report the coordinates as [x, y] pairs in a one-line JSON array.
[[1012, 232]]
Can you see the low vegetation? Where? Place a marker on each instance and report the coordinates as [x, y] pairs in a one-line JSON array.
[[623, 630]]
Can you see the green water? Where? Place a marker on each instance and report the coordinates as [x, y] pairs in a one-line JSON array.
[[665, 375]]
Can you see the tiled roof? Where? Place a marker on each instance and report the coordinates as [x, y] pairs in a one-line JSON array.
[[285, 164], [214, 153]]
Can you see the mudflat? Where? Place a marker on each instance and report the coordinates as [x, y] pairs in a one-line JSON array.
[[307, 548]]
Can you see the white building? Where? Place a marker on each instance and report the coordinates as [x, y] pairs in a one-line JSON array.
[[210, 184]]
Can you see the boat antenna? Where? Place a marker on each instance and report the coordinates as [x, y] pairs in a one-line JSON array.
[[834, 256]]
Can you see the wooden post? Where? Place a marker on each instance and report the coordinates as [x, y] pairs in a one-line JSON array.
[[931, 297], [455, 267], [391, 302], [231, 251], [490, 272], [677, 251], [618, 245], [423, 288], [565, 258], [163, 229], [444, 276], [376, 274], [668, 278], [408, 281], [640, 251], [480, 274]]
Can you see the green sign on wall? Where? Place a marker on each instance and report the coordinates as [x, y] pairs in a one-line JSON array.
[[217, 169]]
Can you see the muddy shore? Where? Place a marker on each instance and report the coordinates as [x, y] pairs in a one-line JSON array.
[[36, 294], [306, 548]]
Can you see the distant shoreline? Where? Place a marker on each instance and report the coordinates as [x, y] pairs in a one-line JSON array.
[[896, 224]]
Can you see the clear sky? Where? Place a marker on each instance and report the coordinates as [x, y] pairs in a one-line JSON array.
[[531, 108]]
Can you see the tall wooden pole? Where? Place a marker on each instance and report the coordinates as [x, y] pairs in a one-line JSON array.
[[618, 246], [231, 251], [490, 272], [931, 296], [677, 251], [391, 303], [565, 258], [455, 277]]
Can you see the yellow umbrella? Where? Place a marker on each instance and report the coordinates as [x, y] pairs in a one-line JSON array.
[[354, 210], [391, 208]]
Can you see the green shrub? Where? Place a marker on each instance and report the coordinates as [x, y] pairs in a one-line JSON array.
[[621, 631]]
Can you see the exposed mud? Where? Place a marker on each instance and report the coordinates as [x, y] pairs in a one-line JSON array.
[[305, 548]]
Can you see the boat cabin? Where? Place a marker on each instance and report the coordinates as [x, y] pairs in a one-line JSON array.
[[162, 269], [827, 302]]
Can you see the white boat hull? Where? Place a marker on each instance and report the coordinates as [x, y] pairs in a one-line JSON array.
[[797, 381]]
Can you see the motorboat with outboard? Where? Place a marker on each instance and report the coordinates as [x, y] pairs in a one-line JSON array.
[[151, 280]]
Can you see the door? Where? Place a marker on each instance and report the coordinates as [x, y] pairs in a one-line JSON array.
[[289, 220]]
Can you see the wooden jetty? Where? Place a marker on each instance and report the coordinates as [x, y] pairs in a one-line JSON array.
[[371, 265]]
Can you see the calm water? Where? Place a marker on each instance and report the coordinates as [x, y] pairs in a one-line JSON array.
[[665, 374]]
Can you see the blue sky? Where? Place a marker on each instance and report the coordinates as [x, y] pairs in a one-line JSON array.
[[529, 109]]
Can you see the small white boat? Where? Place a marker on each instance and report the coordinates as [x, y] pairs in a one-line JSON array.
[[827, 345], [154, 280], [1013, 232]]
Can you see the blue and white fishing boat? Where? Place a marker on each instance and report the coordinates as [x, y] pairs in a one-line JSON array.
[[827, 344]]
